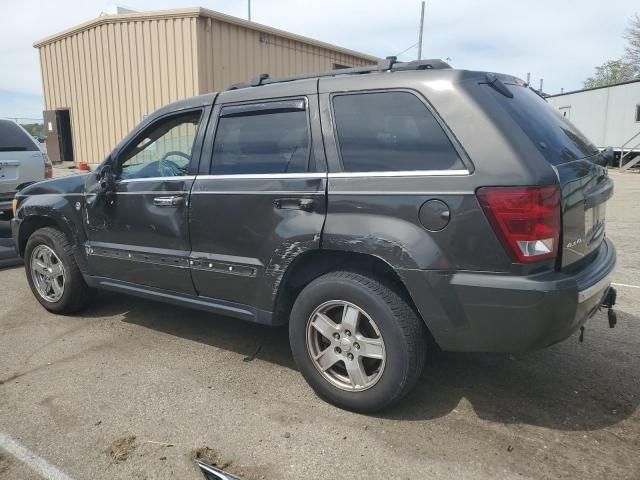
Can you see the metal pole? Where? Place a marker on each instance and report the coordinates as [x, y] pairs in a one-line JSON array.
[[528, 78], [541, 80], [249, 9], [420, 35]]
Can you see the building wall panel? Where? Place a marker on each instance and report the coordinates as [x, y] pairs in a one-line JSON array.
[[605, 115], [230, 53], [112, 71], [112, 75]]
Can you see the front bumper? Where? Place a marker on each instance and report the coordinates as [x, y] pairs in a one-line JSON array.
[[490, 312]]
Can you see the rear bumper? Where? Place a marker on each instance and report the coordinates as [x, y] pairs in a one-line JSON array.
[[488, 312], [6, 198]]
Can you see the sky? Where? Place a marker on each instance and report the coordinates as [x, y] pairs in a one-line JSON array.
[[560, 41]]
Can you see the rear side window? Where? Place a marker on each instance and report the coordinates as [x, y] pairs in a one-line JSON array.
[[391, 131], [262, 139], [555, 137], [15, 139]]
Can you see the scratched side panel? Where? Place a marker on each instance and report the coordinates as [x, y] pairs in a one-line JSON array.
[[242, 243], [380, 216]]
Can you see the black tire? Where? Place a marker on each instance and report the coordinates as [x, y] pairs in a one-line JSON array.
[[76, 294], [402, 331]]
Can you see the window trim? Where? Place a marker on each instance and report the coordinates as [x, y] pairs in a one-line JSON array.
[[196, 149], [462, 154], [263, 108]]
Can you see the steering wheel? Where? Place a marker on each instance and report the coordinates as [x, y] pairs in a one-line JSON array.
[[168, 168]]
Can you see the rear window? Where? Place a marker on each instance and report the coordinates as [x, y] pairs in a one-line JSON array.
[[391, 131], [15, 139], [555, 137]]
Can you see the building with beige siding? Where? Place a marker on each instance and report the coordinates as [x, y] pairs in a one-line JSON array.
[[102, 77]]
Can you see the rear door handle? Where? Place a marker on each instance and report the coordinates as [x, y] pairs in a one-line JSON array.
[[305, 204], [173, 201]]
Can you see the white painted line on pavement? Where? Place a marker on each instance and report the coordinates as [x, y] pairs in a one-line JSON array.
[[31, 459], [625, 285]]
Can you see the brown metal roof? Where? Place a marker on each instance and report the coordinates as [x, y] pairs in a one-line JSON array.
[[196, 12]]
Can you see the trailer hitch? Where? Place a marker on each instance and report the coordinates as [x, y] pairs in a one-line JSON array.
[[608, 302]]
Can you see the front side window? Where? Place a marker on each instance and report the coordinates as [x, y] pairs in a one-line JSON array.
[[164, 150], [260, 140], [391, 131]]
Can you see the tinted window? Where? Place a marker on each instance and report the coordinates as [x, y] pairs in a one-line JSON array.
[[15, 139], [551, 132], [262, 142], [164, 150], [391, 131]]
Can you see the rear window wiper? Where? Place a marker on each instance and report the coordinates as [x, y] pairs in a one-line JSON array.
[[495, 83]]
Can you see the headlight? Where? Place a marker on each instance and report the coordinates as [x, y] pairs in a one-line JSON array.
[[14, 206]]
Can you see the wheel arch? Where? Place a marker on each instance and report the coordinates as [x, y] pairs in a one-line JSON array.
[[312, 264], [35, 222]]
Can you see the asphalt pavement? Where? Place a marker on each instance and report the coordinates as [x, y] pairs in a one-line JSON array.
[[74, 390]]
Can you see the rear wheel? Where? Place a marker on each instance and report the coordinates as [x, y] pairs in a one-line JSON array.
[[356, 341], [52, 272]]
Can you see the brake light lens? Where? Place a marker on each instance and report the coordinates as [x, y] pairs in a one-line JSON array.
[[525, 219], [48, 167]]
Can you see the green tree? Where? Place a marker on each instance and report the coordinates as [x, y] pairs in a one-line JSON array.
[[34, 129], [613, 71]]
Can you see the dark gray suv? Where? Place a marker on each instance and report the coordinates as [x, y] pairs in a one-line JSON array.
[[378, 211]]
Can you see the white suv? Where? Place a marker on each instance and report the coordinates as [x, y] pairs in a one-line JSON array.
[[21, 162]]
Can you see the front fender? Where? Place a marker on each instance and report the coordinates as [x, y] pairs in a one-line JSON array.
[[57, 203]]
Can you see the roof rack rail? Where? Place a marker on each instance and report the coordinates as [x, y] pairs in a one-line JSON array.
[[389, 64]]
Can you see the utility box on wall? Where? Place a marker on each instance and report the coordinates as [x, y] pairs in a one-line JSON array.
[[108, 73]]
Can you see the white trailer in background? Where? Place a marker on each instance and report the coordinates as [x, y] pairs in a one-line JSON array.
[[608, 116]]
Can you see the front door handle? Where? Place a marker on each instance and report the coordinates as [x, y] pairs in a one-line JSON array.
[[305, 204], [173, 201]]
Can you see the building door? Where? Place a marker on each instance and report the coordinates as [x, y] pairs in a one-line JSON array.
[[57, 128], [262, 202], [140, 233]]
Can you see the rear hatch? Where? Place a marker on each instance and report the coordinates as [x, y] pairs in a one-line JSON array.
[[21, 160], [585, 185]]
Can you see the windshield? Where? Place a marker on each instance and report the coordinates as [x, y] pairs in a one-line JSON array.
[[557, 139]]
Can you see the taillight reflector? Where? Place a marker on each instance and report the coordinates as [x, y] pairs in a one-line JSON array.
[[525, 219]]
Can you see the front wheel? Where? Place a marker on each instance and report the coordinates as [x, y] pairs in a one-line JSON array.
[[52, 272], [356, 341]]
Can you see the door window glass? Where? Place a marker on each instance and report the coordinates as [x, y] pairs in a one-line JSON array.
[[391, 131], [262, 141], [164, 150]]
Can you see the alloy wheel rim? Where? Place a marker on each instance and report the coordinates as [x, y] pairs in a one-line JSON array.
[[345, 345], [47, 273]]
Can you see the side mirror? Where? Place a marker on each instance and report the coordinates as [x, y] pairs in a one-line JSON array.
[[606, 156], [107, 178], [103, 187]]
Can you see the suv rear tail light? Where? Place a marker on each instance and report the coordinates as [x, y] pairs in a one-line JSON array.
[[525, 219], [48, 167]]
